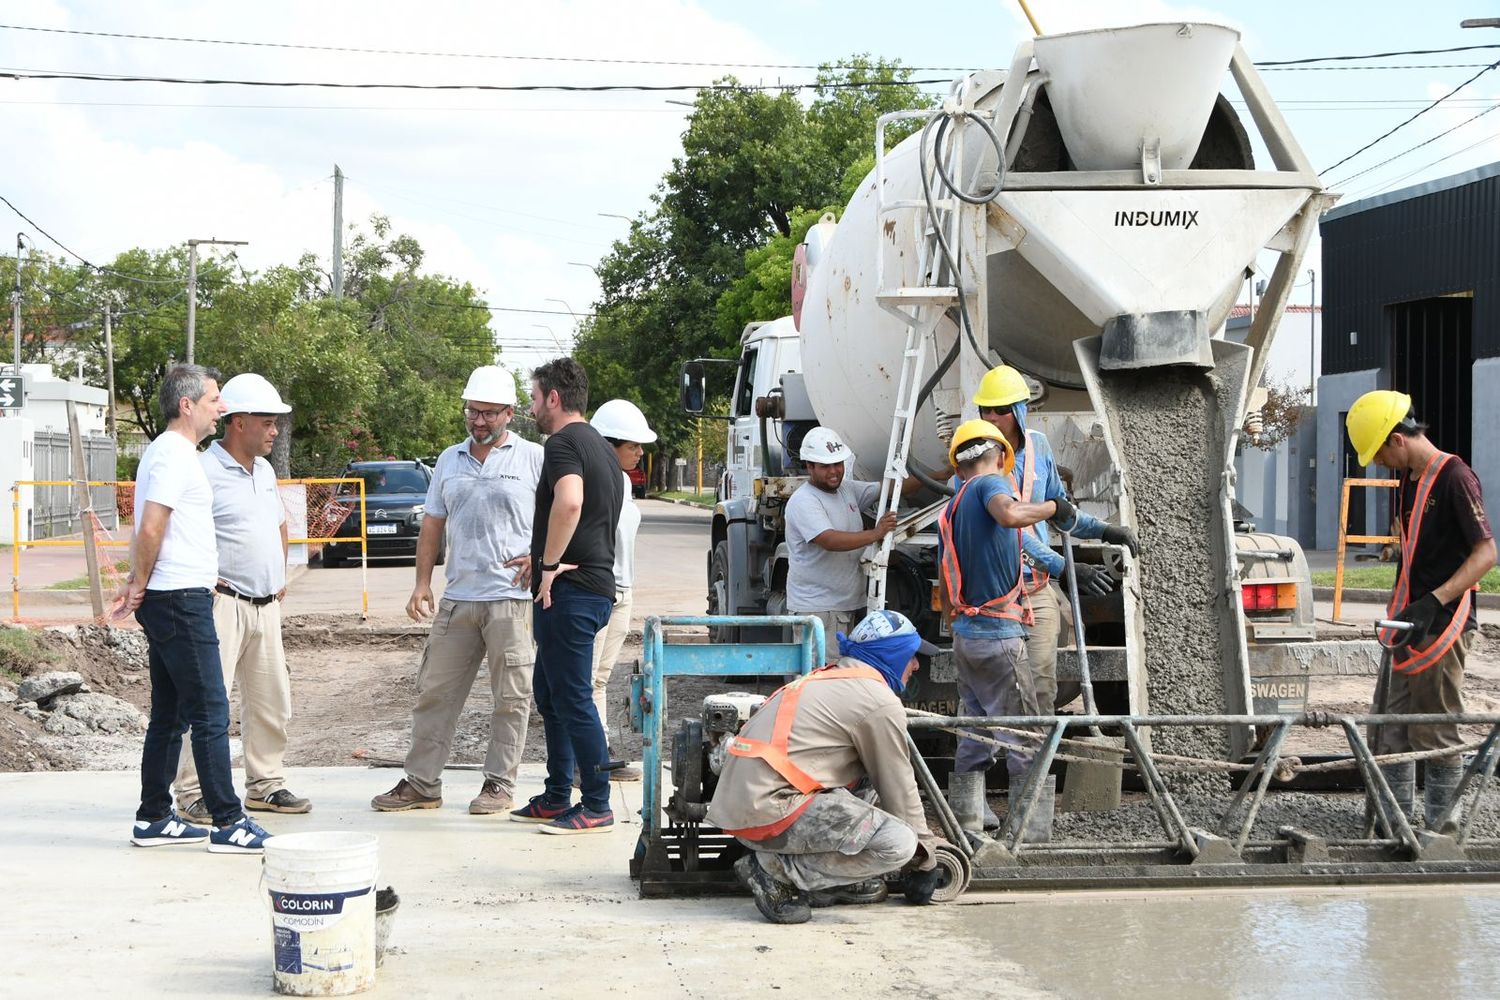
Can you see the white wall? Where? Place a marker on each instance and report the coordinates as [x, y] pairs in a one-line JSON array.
[[47, 402], [16, 464]]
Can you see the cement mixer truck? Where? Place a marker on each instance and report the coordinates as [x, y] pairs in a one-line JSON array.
[[1088, 216]]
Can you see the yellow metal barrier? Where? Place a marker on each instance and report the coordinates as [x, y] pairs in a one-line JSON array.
[[320, 537], [1345, 537]]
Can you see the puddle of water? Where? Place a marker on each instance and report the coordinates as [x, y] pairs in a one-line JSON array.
[[1440, 941]]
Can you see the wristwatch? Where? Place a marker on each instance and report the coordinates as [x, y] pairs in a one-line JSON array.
[[550, 567]]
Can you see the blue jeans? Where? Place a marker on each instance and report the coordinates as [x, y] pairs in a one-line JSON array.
[[187, 689], [564, 689]]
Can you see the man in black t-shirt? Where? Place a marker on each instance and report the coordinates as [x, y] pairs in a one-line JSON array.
[[1447, 545], [578, 502]]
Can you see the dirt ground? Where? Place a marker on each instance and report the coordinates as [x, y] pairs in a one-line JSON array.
[[353, 689]]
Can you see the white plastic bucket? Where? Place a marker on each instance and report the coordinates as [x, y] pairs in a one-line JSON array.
[[322, 897]]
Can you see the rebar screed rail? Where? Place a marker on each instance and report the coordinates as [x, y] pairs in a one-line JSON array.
[[1227, 854]]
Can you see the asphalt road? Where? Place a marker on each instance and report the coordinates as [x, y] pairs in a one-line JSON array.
[[671, 553]]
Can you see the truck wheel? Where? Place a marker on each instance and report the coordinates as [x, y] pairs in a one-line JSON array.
[[718, 593]]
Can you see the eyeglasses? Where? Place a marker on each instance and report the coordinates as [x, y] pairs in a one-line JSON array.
[[488, 416]]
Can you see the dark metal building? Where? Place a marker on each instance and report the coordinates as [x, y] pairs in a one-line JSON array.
[[1411, 301]]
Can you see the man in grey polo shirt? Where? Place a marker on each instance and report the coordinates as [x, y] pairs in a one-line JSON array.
[[250, 528], [483, 492]]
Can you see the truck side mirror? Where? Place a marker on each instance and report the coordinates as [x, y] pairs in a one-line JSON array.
[[694, 386]]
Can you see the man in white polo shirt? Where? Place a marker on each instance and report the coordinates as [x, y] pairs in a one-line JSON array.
[[173, 568], [483, 492], [250, 524]]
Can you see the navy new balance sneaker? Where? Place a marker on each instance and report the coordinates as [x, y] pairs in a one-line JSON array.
[[172, 830], [244, 837]]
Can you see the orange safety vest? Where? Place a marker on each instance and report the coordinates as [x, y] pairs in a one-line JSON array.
[[1039, 575], [1412, 660], [774, 751], [1012, 605]]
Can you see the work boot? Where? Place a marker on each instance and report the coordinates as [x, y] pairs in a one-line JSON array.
[[1039, 823], [777, 901], [1402, 778], [966, 799], [491, 799], [404, 797], [1440, 791], [279, 801], [871, 890]]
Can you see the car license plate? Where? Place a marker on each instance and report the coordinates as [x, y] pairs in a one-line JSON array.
[[380, 529]]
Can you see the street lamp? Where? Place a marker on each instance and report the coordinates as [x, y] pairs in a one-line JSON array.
[[614, 215], [560, 347], [192, 289]]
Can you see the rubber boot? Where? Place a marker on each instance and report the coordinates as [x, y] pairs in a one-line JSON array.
[[1039, 823], [1402, 778], [1441, 786], [966, 799]]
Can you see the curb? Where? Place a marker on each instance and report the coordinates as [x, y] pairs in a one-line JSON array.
[[1486, 601], [682, 503]]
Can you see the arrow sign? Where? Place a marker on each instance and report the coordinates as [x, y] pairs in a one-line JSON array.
[[12, 392]]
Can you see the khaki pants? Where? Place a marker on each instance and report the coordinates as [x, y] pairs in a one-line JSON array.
[[251, 654], [834, 622], [1437, 690], [1041, 645], [464, 634], [607, 646]]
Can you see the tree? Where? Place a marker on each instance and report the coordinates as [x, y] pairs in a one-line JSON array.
[[756, 170]]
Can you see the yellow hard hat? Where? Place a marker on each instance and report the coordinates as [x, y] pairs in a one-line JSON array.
[[1372, 418], [972, 430], [1002, 386]]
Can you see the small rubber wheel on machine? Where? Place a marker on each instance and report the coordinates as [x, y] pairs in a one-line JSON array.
[[956, 874]]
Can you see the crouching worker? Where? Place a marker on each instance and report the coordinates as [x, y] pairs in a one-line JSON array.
[[786, 789]]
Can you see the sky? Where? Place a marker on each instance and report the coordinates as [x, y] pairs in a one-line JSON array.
[[522, 193]]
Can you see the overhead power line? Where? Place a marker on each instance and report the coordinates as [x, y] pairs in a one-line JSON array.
[[139, 279], [511, 57], [1386, 135], [1412, 149], [31, 74]]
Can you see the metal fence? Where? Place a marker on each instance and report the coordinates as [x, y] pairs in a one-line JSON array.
[[53, 513]]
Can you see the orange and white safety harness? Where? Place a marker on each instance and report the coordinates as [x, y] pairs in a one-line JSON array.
[[774, 751], [1412, 660], [1011, 605], [1039, 575]]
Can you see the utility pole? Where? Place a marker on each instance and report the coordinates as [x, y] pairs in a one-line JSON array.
[[15, 305], [1312, 338], [338, 232], [109, 374], [192, 289]]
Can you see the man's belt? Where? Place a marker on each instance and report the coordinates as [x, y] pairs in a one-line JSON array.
[[229, 591]]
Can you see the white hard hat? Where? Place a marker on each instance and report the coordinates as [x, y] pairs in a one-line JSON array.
[[622, 420], [823, 446], [251, 393], [491, 384]]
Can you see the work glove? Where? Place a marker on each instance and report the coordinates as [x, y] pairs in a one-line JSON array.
[[1093, 581], [918, 886], [1118, 534], [1065, 516], [1421, 613]]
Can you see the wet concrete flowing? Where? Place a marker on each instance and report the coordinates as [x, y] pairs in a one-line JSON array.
[[1171, 443]]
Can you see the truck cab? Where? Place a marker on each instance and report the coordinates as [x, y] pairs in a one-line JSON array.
[[768, 351]]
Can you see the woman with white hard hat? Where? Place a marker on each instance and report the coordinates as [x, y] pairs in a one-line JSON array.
[[623, 425]]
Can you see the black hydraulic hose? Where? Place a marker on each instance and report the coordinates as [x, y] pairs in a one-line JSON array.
[[940, 120], [942, 369]]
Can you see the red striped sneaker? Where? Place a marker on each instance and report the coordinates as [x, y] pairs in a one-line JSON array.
[[538, 810], [581, 820]]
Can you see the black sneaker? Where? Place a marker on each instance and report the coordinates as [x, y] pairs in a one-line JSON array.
[[279, 801], [871, 890], [196, 812], [777, 901]]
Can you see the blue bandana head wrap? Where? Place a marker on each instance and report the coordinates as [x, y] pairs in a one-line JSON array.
[[886, 641]]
